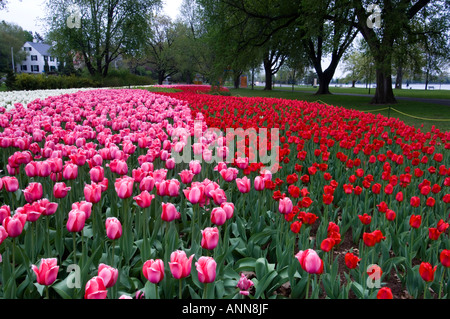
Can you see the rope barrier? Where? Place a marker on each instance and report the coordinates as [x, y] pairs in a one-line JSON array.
[[420, 118]]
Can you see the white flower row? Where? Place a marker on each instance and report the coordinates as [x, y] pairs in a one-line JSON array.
[[9, 98]]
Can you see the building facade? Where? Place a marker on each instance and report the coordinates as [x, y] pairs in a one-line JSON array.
[[37, 54]]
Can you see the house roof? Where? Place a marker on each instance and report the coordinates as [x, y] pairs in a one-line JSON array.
[[42, 48]]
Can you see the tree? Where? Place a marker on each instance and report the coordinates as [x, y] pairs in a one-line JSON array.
[[359, 63], [12, 37], [108, 29], [161, 55], [395, 17]]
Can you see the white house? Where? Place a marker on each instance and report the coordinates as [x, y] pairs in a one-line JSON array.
[[37, 53]]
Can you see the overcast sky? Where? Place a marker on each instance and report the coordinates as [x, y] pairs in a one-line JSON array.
[[27, 13]]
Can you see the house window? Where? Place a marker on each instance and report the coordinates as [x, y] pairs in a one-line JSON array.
[[27, 49], [23, 68], [52, 68], [34, 58], [52, 59], [35, 68]]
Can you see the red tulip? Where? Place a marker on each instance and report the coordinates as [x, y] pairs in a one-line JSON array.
[[351, 261], [426, 271], [327, 244], [95, 289], [206, 269], [296, 226], [385, 293], [444, 257], [415, 201], [153, 270], [365, 219], [47, 272], [415, 221]]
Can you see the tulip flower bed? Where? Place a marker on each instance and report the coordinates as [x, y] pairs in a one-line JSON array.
[[96, 205]]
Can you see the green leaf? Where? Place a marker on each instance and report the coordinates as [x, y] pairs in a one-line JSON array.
[[245, 264], [264, 282]]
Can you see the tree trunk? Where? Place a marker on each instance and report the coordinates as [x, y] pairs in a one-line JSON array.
[[399, 79], [161, 77], [269, 75], [383, 93], [353, 83]]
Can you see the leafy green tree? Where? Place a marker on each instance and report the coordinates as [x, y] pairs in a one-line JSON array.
[[12, 37], [107, 29]]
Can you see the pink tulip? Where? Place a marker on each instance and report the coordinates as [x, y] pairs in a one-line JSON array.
[[173, 188], [49, 207], [97, 174], [108, 274], [285, 205], [206, 269], [147, 183], [153, 270], [124, 187], [180, 264], [310, 261], [14, 225], [244, 285], [259, 183], [170, 163], [243, 184], [229, 174], [76, 221], [195, 167], [3, 235], [144, 199], [70, 171], [86, 207], [210, 238], [10, 183], [186, 176], [47, 272], [60, 190], [5, 211], [113, 228], [193, 194], [169, 212], [93, 193], [218, 216], [218, 195], [33, 192], [228, 208], [95, 289], [32, 211]]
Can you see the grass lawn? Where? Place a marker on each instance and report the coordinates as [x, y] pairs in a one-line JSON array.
[[428, 112]]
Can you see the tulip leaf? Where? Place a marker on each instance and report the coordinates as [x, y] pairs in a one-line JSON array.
[[263, 283]]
